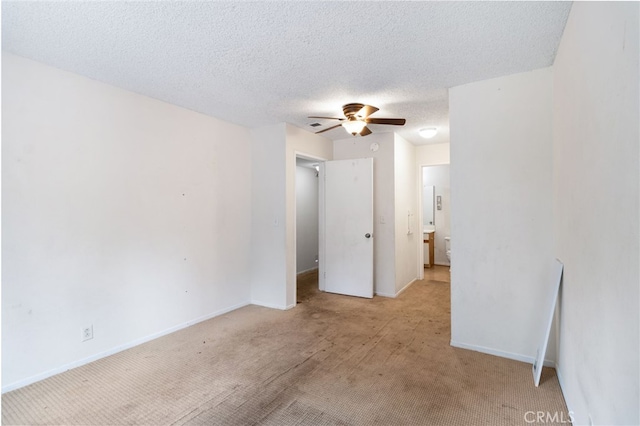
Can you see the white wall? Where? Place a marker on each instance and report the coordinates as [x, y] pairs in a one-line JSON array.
[[274, 151], [407, 214], [501, 212], [268, 217], [118, 211], [306, 219], [433, 155], [439, 177], [596, 216], [383, 202]]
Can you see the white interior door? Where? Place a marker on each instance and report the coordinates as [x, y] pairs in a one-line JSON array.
[[348, 227]]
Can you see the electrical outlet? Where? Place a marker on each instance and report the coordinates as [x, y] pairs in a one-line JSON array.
[[87, 333]]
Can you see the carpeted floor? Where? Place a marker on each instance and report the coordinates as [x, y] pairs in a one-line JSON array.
[[332, 360]]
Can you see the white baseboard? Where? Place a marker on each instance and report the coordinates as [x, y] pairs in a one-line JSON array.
[[307, 271], [271, 305], [406, 286], [392, 295], [120, 348], [502, 354], [567, 399]]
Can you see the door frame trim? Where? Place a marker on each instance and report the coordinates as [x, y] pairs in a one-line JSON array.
[[320, 160]]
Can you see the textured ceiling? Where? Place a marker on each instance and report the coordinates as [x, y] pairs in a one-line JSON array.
[[259, 63]]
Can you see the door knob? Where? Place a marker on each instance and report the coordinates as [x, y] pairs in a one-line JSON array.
[[367, 235]]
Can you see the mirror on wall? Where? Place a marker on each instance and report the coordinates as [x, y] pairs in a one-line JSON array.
[[428, 202]]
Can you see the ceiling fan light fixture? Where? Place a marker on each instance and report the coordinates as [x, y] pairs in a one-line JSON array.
[[356, 118], [428, 132], [354, 126]]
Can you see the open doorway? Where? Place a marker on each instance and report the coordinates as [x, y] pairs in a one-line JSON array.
[[307, 225], [436, 215]]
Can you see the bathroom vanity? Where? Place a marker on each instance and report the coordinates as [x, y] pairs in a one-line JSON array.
[[429, 237]]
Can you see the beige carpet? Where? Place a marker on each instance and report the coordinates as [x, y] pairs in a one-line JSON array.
[[333, 360]]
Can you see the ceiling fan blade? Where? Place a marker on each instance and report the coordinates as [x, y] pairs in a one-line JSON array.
[[365, 131], [326, 118], [392, 121], [366, 111], [329, 128]]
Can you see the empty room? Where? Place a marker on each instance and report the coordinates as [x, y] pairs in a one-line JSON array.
[[320, 213]]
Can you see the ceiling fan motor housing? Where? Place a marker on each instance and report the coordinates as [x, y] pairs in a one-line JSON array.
[[350, 110]]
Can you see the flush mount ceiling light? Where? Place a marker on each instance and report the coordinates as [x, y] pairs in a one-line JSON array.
[[428, 132]]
